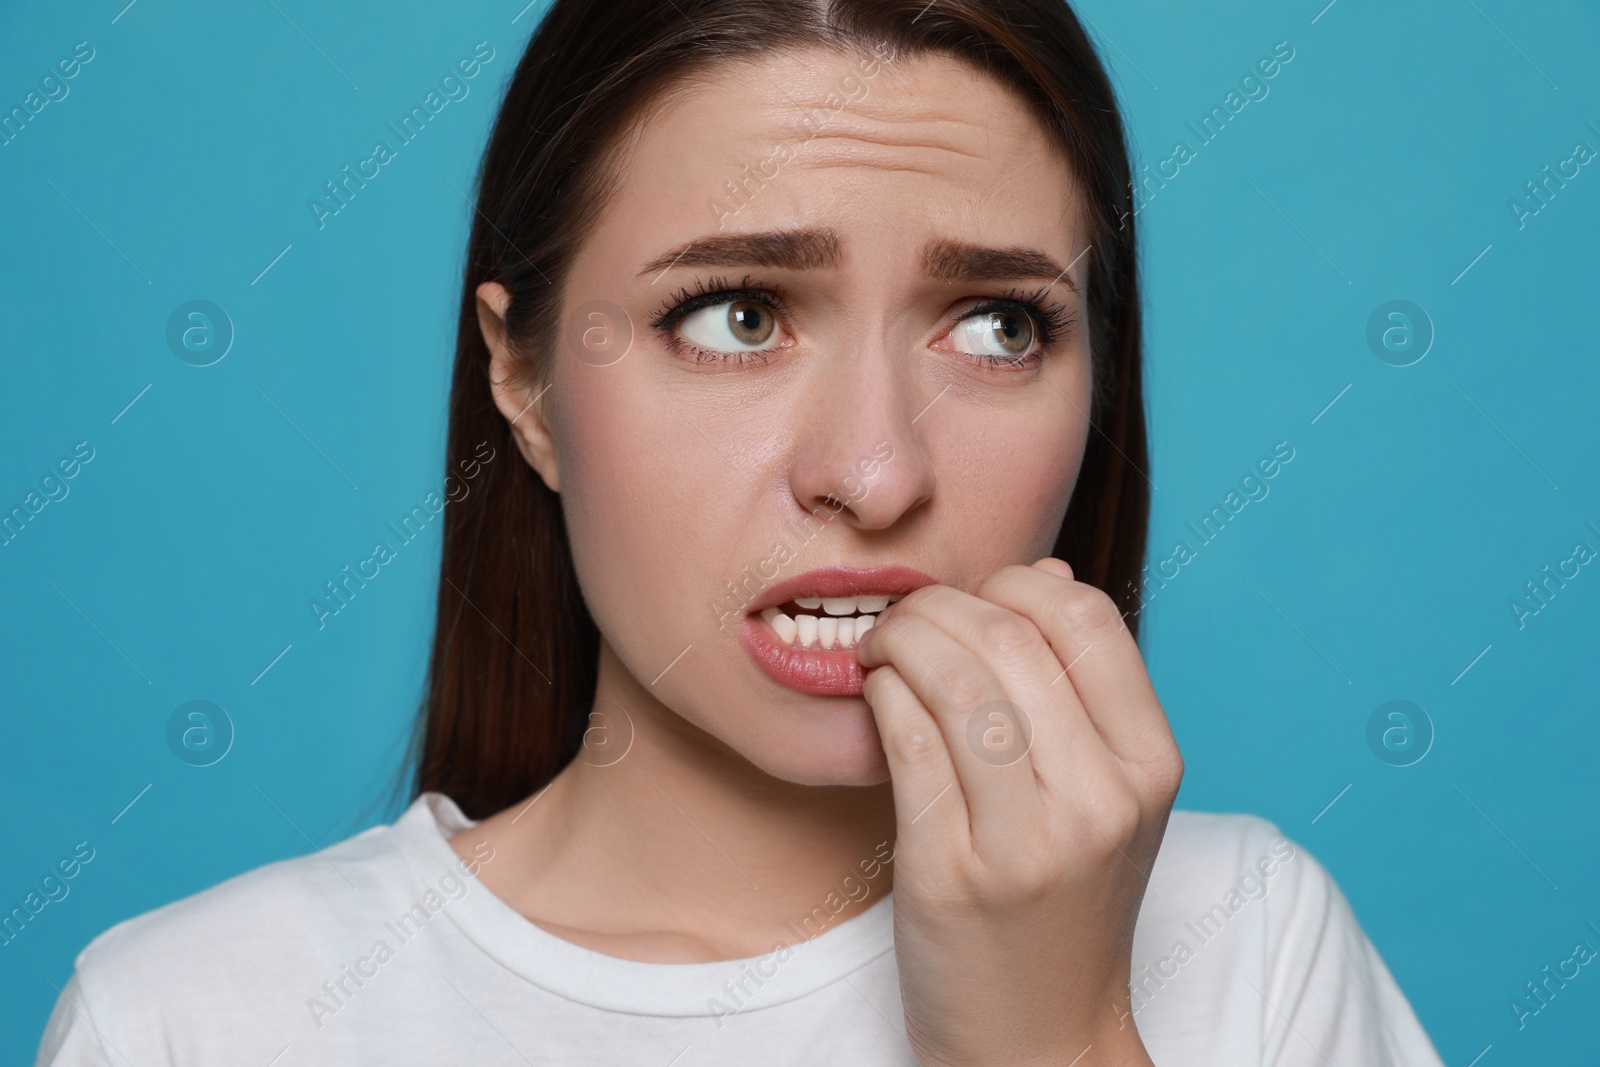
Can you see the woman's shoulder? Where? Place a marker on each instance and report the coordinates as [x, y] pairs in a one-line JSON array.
[[1241, 930], [277, 908], [266, 937], [1204, 846], [1214, 868]]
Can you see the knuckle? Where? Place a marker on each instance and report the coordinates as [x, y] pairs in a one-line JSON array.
[[1085, 609], [1037, 873], [1029, 869], [917, 598], [968, 687], [1008, 634], [912, 748], [878, 685], [1113, 816], [952, 887], [1122, 817], [1005, 576], [1166, 774]]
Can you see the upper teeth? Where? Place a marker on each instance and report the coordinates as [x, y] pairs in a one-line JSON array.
[[836, 629], [846, 605]]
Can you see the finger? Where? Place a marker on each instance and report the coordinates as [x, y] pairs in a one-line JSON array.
[[1100, 658], [962, 693], [1104, 793], [1062, 743], [1055, 566], [929, 805]]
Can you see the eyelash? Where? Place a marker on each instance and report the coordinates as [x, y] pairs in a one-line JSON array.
[[709, 293], [1051, 318]]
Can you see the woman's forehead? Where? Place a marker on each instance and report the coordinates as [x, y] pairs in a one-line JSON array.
[[804, 139]]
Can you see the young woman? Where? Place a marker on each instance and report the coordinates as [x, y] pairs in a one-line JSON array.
[[798, 374]]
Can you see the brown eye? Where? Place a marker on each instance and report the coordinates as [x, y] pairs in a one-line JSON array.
[[751, 323], [1006, 335], [733, 326]]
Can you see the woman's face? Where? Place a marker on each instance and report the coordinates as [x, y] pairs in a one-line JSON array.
[[831, 317]]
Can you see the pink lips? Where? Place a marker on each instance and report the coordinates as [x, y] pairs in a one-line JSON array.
[[820, 672]]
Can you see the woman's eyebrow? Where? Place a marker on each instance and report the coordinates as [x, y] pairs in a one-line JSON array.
[[786, 249], [808, 249], [957, 261]]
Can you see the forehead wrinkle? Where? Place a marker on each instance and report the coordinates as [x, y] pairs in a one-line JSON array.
[[883, 141], [884, 151], [839, 161]]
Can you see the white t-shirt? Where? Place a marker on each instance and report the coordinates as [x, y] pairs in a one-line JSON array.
[[383, 950]]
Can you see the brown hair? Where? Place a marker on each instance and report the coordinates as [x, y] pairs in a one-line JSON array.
[[515, 651]]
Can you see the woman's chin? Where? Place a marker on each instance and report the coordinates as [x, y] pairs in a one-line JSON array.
[[839, 748]]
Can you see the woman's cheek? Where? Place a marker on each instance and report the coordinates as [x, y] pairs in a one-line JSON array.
[[1010, 480], [1048, 476], [645, 499]]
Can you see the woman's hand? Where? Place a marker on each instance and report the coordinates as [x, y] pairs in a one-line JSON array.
[[1033, 772]]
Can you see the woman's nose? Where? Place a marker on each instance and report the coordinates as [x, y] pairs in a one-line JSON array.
[[858, 451]]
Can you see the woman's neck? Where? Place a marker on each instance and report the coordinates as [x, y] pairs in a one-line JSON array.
[[680, 850]]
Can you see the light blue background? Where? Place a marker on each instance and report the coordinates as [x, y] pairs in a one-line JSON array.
[[1382, 563]]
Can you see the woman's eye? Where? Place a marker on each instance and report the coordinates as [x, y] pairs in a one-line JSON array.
[[735, 326], [1003, 335]]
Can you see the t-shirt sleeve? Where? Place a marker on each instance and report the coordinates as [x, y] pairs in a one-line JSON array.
[[1329, 997], [71, 1038]]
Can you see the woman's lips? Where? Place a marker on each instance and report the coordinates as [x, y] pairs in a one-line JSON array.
[[816, 670], [890, 580]]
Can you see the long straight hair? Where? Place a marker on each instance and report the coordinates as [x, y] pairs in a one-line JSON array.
[[515, 651]]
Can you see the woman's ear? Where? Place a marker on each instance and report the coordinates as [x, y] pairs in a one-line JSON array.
[[521, 406]]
